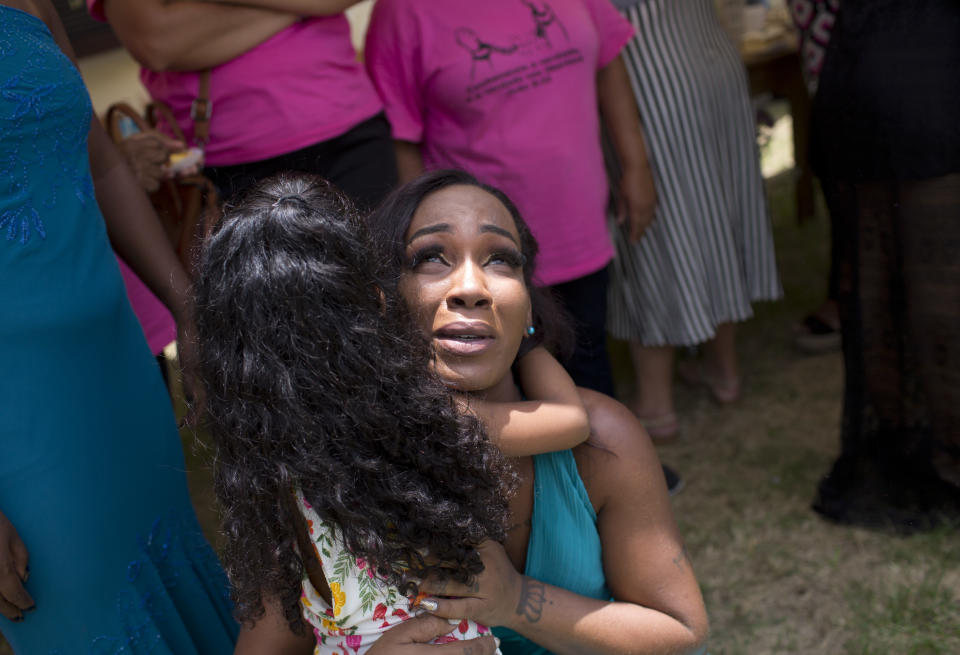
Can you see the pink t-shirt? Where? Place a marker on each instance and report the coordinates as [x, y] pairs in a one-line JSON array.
[[157, 323], [506, 90], [298, 88]]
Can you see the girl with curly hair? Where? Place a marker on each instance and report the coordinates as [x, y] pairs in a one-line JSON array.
[[346, 469]]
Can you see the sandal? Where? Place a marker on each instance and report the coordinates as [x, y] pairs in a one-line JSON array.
[[661, 428], [815, 336], [724, 392]]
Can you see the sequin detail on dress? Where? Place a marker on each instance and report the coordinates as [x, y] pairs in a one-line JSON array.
[[42, 88], [170, 550]]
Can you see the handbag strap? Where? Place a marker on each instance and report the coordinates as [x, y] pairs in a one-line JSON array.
[[115, 115], [201, 109], [160, 112]]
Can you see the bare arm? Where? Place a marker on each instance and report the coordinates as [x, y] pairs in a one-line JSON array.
[[299, 7], [553, 419], [272, 634], [657, 609], [409, 160], [164, 35], [638, 198], [134, 229]]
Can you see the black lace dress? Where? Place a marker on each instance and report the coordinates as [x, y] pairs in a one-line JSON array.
[[886, 133]]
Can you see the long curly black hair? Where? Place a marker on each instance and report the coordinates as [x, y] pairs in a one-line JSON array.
[[316, 377], [389, 223]]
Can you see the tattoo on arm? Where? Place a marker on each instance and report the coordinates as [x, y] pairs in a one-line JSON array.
[[533, 596]]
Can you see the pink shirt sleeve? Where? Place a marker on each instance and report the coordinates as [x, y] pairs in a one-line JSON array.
[[393, 60], [613, 29], [95, 7]]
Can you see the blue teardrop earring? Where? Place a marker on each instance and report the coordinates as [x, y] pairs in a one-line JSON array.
[[531, 331]]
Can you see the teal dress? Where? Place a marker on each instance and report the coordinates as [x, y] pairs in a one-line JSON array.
[[564, 548], [91, 466]]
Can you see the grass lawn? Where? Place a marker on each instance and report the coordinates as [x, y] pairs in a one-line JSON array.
[[777, 578]]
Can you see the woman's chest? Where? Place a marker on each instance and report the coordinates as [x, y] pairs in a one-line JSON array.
[[565, 498], [521, 514]]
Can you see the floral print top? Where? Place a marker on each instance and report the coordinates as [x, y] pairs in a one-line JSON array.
[[364, 605]]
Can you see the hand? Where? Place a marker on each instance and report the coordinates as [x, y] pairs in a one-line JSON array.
[[14, 599], [146, 154], [638, 201], [413, 637], [492, 599]]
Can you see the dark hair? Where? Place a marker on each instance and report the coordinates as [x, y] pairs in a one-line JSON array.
[[316, 378], [389, 223]]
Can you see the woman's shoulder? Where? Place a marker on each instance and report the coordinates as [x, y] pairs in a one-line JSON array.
[[613, 427], [617, 450]]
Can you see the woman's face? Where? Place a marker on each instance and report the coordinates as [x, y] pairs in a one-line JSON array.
[[464, 283]]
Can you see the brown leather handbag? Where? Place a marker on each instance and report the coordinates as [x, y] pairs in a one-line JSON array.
[[188, 206]]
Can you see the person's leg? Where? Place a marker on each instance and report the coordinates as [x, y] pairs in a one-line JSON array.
[[653, 403], [819, 332], [719, 370], [653, 399], [721, 357], [834, 196], [585, 300], [928, 232]]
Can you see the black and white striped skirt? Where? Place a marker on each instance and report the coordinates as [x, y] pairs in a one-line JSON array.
[[709, 252]]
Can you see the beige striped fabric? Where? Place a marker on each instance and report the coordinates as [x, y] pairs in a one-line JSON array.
[[709, 252]]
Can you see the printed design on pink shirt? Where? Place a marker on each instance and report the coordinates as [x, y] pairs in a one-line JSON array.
[[544, 16], [479, 49], [536, 69]]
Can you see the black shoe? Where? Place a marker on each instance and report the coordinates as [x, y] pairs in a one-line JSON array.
[[815, 336], [674, 481]]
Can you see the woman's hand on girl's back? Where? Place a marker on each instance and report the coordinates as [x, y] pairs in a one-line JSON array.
[[413, 637]]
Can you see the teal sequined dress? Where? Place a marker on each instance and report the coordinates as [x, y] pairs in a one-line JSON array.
[[91, 467]]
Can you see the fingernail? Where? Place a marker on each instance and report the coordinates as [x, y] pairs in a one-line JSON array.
[[496, 640], [453, 621], [429, 604]]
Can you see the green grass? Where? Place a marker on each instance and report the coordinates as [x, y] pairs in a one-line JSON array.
[[918, 617]]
